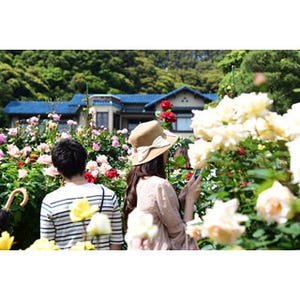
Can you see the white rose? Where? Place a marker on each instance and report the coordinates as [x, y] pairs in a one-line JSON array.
[[140, 225], [228, 136], [101, 159], [92, 165], [294, 147], [193, 227], [252, 105], [221, 223], [199, 152], [292, 121], [204, 120], [99, 225], [274, 204]]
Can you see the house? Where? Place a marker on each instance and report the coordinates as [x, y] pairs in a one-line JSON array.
[[116, 111]]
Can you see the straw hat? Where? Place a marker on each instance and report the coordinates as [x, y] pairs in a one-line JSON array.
[[150, 140]]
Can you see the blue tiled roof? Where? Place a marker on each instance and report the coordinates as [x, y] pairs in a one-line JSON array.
[[66, 108], [174, 92], [71, 107], [39, 107], [148, 99], [96, 103], [212, 97], [138, 98], [78, 99]]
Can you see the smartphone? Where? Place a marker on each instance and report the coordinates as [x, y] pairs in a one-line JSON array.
[[197, 173]]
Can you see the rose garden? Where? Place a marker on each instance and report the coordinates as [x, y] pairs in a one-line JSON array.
[[249, 164]]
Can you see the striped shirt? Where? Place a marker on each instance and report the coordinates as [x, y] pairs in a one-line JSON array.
[[56, 224]]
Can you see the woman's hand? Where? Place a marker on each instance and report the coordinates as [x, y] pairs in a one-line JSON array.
[[192, 194], [190, 185], [193, 189]]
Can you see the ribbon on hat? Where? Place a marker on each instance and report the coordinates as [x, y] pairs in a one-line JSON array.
[[158, 142]]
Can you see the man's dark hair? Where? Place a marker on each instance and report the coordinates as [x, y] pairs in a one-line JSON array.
[[69, 157]]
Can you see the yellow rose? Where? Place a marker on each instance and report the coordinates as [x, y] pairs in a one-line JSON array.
[[43, 244], [83, 246], [6, 241], [99, 225], [81, 209]]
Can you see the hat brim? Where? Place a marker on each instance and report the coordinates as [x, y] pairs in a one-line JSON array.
[[154, 152]]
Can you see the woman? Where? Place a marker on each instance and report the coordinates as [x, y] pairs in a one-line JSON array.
[[182, 151], [149, 191]]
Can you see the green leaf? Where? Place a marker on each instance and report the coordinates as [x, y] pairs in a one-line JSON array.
[[262, 173], [297, 205], [258, 233], [293, 230], [5, 166]]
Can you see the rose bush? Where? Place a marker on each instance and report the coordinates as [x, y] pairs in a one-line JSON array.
[[166, 117], [248, 156], [25, 161], [248, 153]]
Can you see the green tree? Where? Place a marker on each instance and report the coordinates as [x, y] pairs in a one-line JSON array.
[[230, 65], [281, 68], [58, 74]]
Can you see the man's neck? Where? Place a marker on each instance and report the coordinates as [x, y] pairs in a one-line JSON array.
[[75, 180]]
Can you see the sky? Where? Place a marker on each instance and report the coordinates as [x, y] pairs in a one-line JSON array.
[[156, 24]]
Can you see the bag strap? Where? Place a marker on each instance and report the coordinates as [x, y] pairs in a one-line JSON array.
[[101, 205]]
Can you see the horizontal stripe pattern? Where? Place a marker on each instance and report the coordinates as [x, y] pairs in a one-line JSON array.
[[56, 224]]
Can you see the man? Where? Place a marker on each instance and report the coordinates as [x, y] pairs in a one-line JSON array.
[[69, 157]]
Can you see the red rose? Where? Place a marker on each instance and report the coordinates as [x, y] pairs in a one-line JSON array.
[[20, 164], [169, 116], [166, 104], [89, 177], [245, 183], [33, 158], [112, 173], [242, 150], [188, 175]]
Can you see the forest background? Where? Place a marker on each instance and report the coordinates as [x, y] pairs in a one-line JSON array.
[[56, 75]]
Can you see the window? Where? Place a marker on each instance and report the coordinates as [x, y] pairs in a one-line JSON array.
[[132, 125], [102, 119], [183, 123], [116, 121]]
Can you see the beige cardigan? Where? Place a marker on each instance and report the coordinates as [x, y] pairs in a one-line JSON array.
[[156, 196]]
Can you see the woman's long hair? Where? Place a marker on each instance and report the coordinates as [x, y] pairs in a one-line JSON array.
[[154, 167]]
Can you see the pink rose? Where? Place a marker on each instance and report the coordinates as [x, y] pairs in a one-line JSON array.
[[51, 171], [13, 151], [45, 159], [96, 147], [22, 173]]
